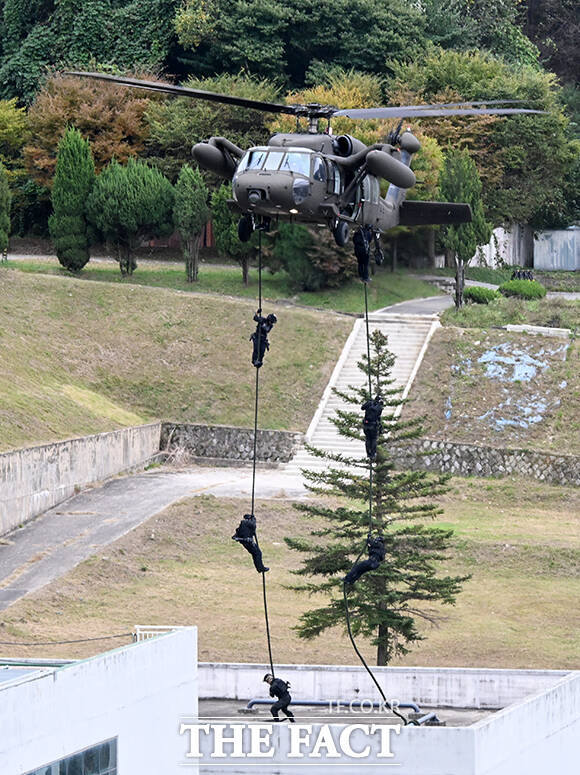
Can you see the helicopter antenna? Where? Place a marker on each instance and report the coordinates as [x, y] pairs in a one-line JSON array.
[[394, 135]]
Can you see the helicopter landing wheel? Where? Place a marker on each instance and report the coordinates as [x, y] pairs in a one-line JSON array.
[[341, 232], [245, 228]]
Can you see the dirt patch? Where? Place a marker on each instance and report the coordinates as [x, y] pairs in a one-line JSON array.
[[500, 389], [181, 567]]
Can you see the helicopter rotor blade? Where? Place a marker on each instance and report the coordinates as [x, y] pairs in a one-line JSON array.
[[185, 91], [467, 104], [418, 112]]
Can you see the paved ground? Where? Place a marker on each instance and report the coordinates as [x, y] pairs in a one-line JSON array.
[[53, 543], [229, 710]]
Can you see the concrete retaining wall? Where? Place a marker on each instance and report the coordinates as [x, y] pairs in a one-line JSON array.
[[432, 687], [35, 479], [227, 443], [472, 460]]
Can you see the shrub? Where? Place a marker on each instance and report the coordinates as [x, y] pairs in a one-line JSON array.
[[73, 182], [5, 199], [524, 289], [479, 295]]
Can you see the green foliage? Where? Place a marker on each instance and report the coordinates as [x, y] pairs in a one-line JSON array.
[[190, 214], [42, 34], [225, 231], [384, 603], [176, 125], [278, 39], [523, 159], [460, 183], [310, 258], [128, 203], [479, 294], [73, 183], [523, 289], [13, 131], [5, 200]]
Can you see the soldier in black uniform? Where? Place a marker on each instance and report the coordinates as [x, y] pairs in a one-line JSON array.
[[246, 535], [376, 547], [372, 425], [362, 250], [260, 337], [279, 689]]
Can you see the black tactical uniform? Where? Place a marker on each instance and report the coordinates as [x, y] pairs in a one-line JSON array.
[[260, 338], [246, 535], [279, 689], [376, 547], [362, 250], [372, 425]]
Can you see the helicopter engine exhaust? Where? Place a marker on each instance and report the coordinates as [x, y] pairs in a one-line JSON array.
[[342, 145], [214, 157], [383, 165]]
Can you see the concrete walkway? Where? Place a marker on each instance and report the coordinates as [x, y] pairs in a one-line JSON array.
[[53, 543]]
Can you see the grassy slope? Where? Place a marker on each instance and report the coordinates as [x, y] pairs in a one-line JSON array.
[[86, 357], [554, 313], [441, 387], [386, 287], [519, 540]]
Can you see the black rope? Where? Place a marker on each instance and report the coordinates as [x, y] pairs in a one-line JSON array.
[[347, 612], [362, 659], [256, 406]]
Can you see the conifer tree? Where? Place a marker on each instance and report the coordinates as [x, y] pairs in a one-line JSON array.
[[383, 603], [128, 203], [5, 200], [225, 230], [190, 215], [73, 182]]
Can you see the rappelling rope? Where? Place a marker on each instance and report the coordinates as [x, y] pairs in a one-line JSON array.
[[256, 405], [346, 609]]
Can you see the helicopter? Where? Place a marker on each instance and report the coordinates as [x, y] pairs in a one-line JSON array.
[[315, 177]]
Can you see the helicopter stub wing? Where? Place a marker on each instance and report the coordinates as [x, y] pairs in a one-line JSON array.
[[417, 213]]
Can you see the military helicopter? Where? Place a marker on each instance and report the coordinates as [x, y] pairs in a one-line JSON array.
[[315, 177]]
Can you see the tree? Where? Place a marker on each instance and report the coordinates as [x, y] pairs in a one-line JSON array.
[[283, 39], [111, 117], [384, 603], [38, 35], [5, 200], [190, 215], [128, 203], [225, 230], [521, 159], [174, 126], [310, 257], [460, 182], [73, 182]]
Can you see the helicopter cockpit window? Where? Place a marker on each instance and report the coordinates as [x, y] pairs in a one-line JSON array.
[[297, 162], [252, 160], [273, 160], [319, 170], [334, 178]]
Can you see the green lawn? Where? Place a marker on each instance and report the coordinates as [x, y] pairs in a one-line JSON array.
[[554, 313], [81, 358], [519, 540], [385, 288], [553, 281]]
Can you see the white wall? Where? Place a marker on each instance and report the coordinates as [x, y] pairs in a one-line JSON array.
[[433, 687], [137, 693], [558, 249], [34, 479]]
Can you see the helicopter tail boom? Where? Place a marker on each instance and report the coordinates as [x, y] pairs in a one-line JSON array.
[[417, 213]]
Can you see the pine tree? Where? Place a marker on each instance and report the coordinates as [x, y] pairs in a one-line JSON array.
[[460, 182], [128, 203], [73, 182], [384, 603], [5, 201], [190, 215]]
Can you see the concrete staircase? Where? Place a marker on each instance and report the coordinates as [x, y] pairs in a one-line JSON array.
[[408, 336]]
